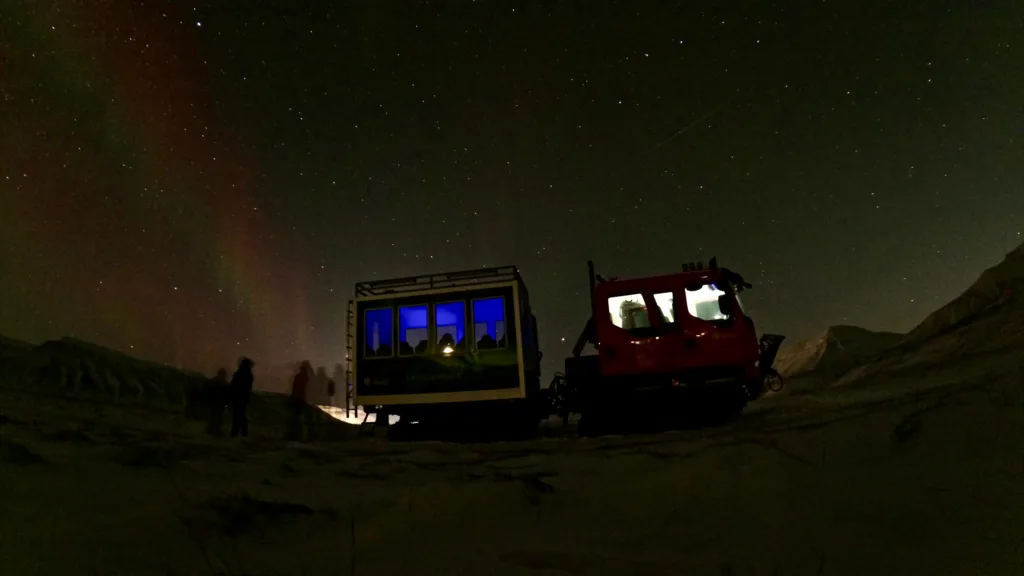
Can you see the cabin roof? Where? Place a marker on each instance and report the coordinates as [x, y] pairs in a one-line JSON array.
[[460, 279]]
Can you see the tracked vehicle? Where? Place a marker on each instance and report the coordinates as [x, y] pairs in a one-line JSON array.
[[667, 347], [460, 350], [455, 349]]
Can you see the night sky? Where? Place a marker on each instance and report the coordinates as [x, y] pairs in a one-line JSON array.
[[189, 182]]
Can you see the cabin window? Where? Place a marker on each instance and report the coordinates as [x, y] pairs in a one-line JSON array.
[[703, 303], [666, 305], [413, 331], [379, 333], [489, 323], [629, 311], [450, 318]]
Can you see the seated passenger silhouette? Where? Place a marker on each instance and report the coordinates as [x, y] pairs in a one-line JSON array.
[[486, 342], [421, 348], [404, 349], [461, 346], [446, 341], [501, 342]]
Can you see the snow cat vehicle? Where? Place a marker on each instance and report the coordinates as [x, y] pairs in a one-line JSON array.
[[455, 350], [677, 347]]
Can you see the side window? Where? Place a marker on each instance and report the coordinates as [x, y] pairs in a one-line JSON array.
[[628, 312], [451, 326], [378, 333], [413, 336], [666, 305], [703, 303], [489, 323]]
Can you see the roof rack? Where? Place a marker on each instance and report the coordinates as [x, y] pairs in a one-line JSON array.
[[444, 280]]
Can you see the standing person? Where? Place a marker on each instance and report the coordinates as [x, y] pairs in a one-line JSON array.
[[331, 389], [217, 398], [297, 400], [337, 380], [319, 386], [241, 392]]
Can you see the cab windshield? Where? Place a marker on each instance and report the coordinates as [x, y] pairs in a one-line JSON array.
[[703, 303], [629, 312]]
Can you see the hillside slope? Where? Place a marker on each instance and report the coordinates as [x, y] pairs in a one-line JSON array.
[[833, 353], [83, 368], [978, 334], [995, 287], [10, 347]]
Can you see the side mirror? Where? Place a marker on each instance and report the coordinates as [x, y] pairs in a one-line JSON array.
[[725, 304]]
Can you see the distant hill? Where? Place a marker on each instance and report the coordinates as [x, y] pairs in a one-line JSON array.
[[979, 333], [995, 287], [9, 347], [825, 358], [83, 368], [79, 369]]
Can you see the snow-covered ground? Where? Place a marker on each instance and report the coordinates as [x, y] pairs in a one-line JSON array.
[[870, 480], [912, 463], [355, 416]]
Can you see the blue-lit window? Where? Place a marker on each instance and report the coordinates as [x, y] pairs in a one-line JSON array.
[[450, 319], [489, 323], [378, 333], [413, 331]]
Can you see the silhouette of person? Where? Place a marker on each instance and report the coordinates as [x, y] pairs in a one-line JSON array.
[[297, 400], [241, 393], [486, 342], [338, 379], [217, 398], [320, 382], [447, 344]]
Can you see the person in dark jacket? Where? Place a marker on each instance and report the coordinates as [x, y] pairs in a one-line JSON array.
[[217, 398], [241, 392], [338, 379], [297, 400]]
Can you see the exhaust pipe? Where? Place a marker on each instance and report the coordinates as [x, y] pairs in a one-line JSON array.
[[593, 278]]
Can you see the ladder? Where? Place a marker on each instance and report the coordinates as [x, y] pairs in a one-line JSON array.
[[364, 426], [349, 335]]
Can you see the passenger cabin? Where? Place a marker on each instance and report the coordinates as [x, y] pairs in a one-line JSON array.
[[444, 338]]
